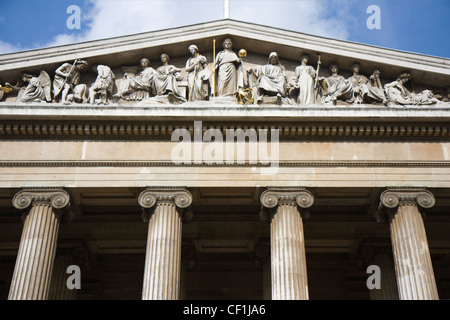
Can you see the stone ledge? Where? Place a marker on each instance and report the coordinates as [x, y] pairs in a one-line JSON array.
[[219, 111]]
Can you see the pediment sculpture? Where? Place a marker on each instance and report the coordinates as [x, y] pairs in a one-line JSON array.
[[223, 78]]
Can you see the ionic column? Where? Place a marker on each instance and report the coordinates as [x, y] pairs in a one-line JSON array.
[[415, 276], [163, 254], [34, 264], [287, 245]]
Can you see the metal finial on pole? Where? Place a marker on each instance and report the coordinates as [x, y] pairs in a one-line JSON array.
[[226, 9]]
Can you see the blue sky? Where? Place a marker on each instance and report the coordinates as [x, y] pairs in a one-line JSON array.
[[420, 26]]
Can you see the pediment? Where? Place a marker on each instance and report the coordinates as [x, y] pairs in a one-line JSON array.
[[426, 72]]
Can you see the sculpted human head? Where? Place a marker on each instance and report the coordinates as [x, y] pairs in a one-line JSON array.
[[304, 58], [145, 62], [193, 49], [227, 44], [404, 77], [81, 65], [356, 67], [26, 77], [273, 58], [165, 57], [334, 68]]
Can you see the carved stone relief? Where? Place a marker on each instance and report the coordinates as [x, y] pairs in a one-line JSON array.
[[221, 79]]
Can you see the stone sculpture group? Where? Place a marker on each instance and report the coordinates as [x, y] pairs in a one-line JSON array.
[[267, 84]]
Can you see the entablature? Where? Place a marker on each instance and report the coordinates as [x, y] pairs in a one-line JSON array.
[[156, 122]]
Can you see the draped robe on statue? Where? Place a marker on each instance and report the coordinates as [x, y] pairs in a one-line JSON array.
[[273, 79], [230, 78], [139, 86], [195, 81], [165, 82], [305, 76]]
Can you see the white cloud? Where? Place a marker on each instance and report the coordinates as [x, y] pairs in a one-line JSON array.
[[111, 18], [307, 16], [6, 47]]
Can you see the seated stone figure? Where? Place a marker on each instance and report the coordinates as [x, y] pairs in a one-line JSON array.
[[329, 86], [356, 89], [140, 87], [397, 94], [165, 81], [103, 85], [38, 89], [271, 80]]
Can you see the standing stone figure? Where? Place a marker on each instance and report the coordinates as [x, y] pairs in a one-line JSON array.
[[230, 70], [137, 88], [67, 80], [272, 79], [103, 85], [197, 74], [165, 81], [397, 94], [38, 89], [305, 76]]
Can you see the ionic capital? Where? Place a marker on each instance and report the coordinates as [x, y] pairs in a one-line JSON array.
[[57, 198], [180, 197], [275, 196], [392, 198]]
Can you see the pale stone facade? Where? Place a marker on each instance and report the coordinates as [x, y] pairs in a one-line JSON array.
[[342, 186]]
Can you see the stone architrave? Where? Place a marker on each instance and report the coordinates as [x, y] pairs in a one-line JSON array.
[[415, 276], [288, 259], [163, 253], [34, 264]]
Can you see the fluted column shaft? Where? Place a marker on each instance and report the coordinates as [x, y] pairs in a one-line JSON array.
[[415, 276], [34, 264], [288, 259], [163, 254], [289, 278]]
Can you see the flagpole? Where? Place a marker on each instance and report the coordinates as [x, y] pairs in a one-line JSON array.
[[214, 69], [226, 9]]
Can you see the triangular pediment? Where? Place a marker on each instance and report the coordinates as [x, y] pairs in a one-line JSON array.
[[426, 71]]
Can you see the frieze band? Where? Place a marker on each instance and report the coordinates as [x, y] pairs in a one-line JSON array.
[[267, 84]]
